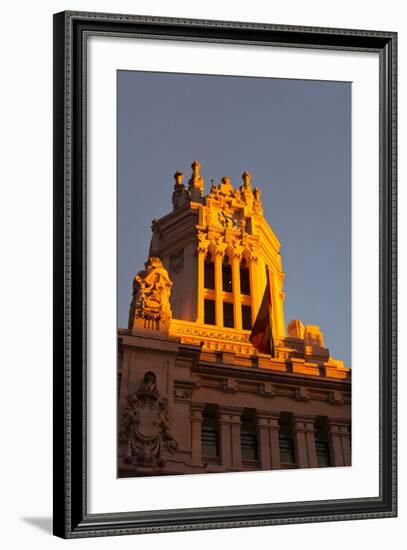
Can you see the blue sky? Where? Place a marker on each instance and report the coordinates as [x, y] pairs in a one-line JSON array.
[[293, 136]]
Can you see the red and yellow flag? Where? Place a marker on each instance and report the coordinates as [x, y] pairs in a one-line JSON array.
[[261, 335]]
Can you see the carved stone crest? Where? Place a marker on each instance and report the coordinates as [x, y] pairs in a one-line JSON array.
[[144, 430]]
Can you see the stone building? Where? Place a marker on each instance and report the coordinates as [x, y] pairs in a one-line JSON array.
[[194, 395]]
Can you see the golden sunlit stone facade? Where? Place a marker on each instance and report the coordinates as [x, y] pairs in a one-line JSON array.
[[208, 390]]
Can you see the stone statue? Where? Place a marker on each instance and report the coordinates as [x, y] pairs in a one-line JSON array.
[[150, 306], [144, 434]]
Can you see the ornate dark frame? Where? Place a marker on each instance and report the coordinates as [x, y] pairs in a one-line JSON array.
[[71, 518]]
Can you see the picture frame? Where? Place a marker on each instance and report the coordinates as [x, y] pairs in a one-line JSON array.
[[71, 511]]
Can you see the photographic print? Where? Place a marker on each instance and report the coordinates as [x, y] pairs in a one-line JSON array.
[[225, 274], [234, 273]]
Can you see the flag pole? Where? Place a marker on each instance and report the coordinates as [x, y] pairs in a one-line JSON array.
[[261, 335], [270, 310]]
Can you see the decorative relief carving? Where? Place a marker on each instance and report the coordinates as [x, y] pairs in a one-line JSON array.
[[212, 334], [336, 398], [144, 429], [150, 305], [229, 385], [180, 393], [177, 262], [301, 394], [267, 390]]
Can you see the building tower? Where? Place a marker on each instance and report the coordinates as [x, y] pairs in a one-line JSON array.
[[194, 395]]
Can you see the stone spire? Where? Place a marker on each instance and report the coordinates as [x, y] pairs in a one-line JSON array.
[[196, 183], [246, 177]]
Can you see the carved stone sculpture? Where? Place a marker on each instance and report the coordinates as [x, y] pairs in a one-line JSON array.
[[144, 430], [150, 306]]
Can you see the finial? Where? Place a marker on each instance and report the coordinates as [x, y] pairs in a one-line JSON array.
[[180, 195], [196, 181], [178, 176], [246, 177], [257, 206], [195, 167]]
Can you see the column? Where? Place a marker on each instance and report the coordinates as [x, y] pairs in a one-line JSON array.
[[264, 443], [218, 289], [236, 446], [196, 411], [230, 452], [346, 446], [269, 446], [200, 294], [190, 278], [339, 442], [255, 291], [237, 305], [304, 437]]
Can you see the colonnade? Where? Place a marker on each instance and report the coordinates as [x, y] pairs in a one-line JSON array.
[[302, 428]]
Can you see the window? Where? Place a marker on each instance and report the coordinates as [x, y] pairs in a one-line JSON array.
[[210, 434], [287, 455], [228, 315], [244, 279], [209, 312], [287, 450], [248, 438], [322, 449], [321, 444], [227, 285], [209, 274], [246, 317]]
